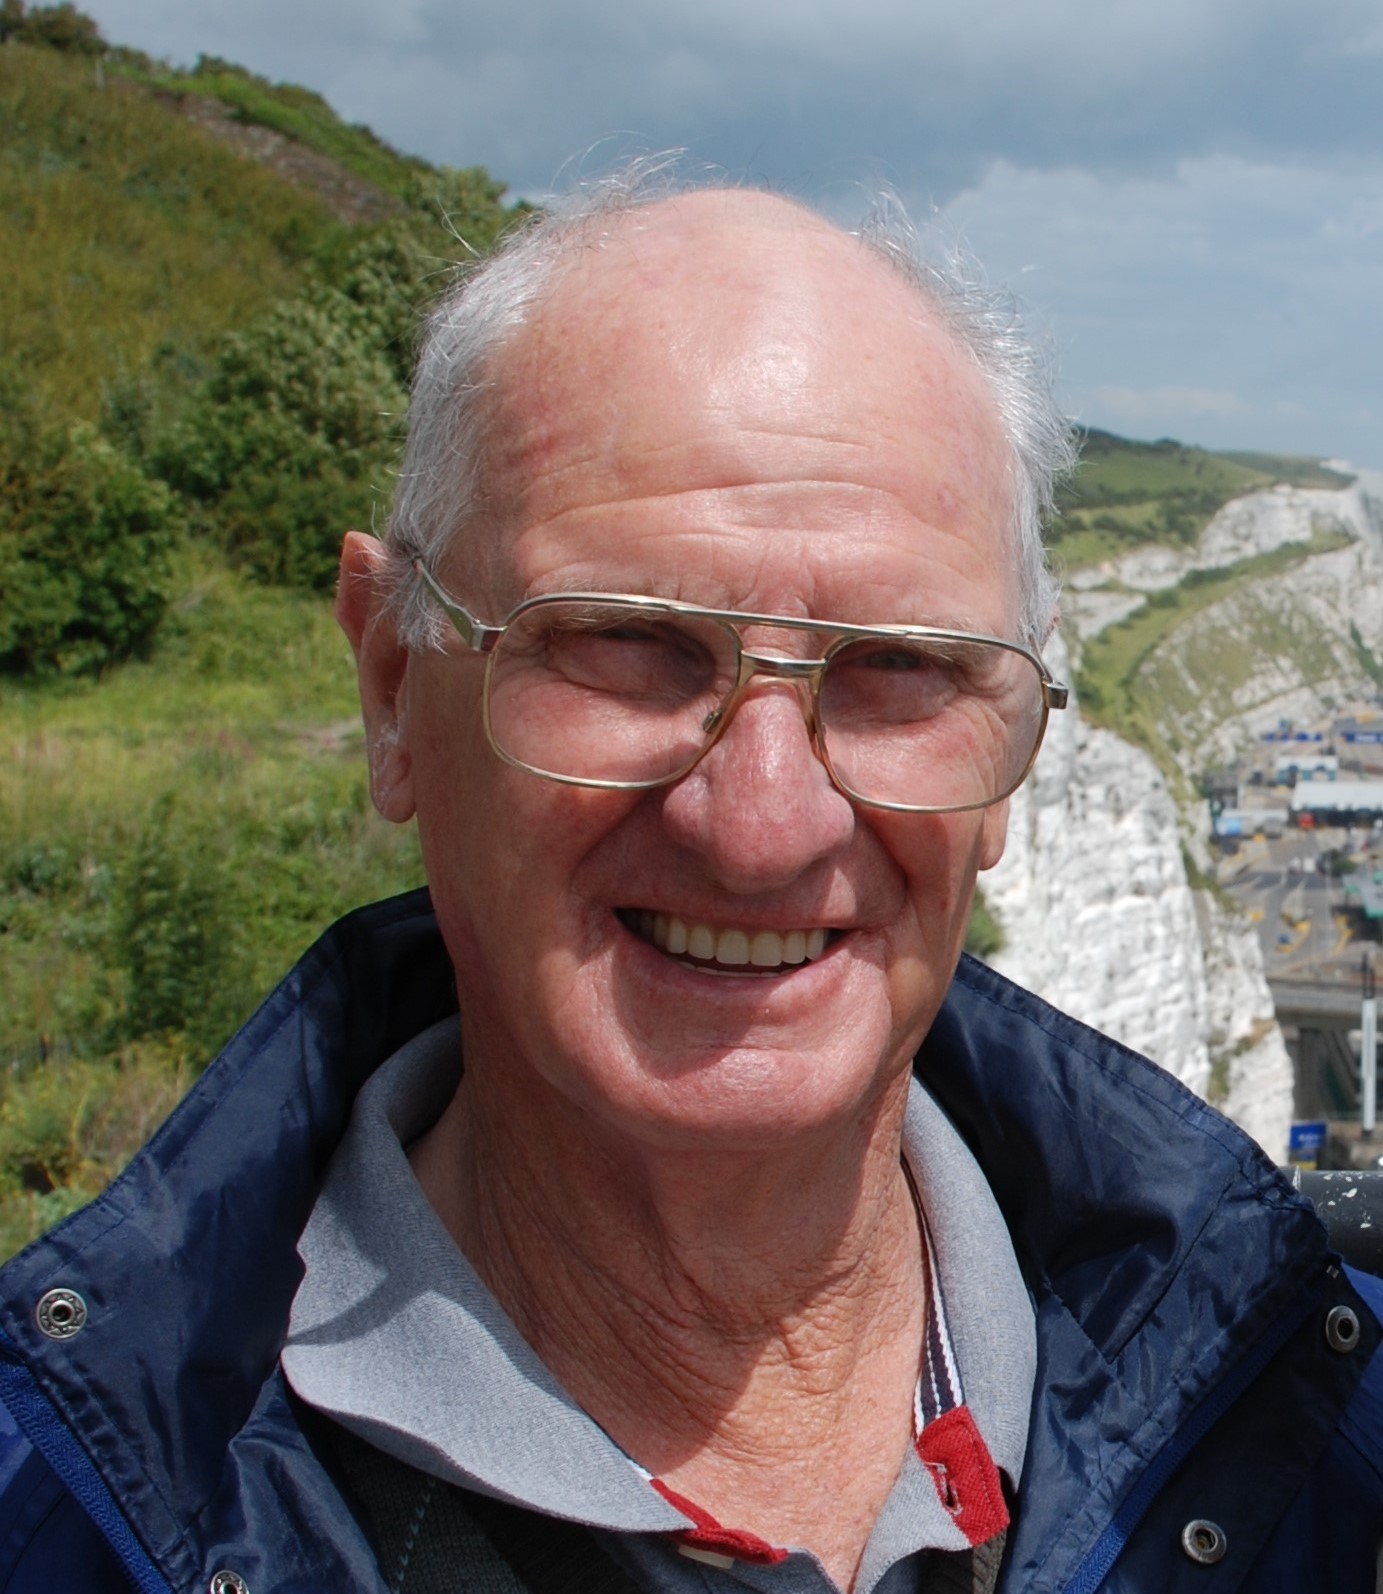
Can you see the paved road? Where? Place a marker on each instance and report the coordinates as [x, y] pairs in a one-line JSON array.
[[1300, 912]]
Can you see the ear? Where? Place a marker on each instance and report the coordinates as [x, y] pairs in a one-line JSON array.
[[381, 661], [993, 834]]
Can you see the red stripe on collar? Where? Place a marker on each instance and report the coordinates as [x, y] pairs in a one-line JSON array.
[[708, 1534], [966, 1479]]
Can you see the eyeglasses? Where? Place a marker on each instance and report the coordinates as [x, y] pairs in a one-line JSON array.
[[628, 693]]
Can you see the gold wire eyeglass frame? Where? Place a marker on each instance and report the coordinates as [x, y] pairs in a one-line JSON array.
[[806, 674]]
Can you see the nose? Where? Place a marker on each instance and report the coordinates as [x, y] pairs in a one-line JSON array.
[[759, 807]]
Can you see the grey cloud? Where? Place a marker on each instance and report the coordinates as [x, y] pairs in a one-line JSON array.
[[809, 93], [1225, 277], [1191, 190], [945, 88]]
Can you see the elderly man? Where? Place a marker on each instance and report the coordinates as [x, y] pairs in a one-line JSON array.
[[736, 1237]]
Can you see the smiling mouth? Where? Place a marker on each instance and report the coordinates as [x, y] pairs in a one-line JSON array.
[[717, 950]]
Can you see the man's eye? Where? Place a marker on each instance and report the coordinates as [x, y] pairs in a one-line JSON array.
[[912, 661], [631, 657], [895, 658], [643, 637], [628, 631]]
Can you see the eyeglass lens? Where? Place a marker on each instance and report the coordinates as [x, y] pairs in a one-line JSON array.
[[609, 693]]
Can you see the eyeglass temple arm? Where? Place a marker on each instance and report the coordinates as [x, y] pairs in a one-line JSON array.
[[477, 636]]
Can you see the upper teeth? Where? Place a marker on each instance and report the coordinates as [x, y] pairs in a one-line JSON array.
[[761, 949]]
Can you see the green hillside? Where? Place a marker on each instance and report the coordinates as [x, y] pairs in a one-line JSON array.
[[1155, 665], [1125, 493], [211, 293], [132, 238]]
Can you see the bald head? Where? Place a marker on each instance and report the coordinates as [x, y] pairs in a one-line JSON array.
[[604, 316], [721, 339]]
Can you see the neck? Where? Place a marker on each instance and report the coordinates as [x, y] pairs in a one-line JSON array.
[[747, 1326]]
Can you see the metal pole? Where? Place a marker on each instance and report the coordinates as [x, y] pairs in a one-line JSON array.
[[1368, 1051]]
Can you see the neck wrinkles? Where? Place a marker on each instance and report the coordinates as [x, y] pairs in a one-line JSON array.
[[676, 1297]]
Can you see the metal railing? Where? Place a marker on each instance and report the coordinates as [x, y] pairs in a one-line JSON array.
[[1350, 1204]]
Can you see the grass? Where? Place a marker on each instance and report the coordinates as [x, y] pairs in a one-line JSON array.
[[171, 838], [466, 201], [1369, 662], [1126, 494], [132, 239], [248, 718], [67, 1128], [1294, 469], [1115, 470]]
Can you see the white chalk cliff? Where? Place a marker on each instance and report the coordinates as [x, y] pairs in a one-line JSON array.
[[1093, 895]]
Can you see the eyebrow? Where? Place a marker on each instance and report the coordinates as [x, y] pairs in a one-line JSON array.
[[674, 590]]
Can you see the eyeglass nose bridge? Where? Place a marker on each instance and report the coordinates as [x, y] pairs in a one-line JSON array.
[[804, 674]]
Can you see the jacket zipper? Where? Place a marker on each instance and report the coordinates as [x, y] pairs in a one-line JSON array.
[[46, 1432], [1111, 1543]]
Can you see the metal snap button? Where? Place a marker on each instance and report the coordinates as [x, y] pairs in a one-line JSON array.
[[60, 1314], [227, 1583], [1341, 1328], [1204, 1542]]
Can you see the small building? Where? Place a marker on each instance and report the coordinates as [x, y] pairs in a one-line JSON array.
[[1357, 730], [1365, 892], [1293, 767], [1337, 802], [1231, 823]]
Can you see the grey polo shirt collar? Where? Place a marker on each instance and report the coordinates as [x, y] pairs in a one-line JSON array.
[[393, 1335]]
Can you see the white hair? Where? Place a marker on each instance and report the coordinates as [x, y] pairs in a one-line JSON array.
[[442, 480]]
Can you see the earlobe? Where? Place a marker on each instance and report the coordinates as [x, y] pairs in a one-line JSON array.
[[382, 661], [993, 834]]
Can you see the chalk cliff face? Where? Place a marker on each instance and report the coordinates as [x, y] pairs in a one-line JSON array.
[[1092, 894], [1287, 645]]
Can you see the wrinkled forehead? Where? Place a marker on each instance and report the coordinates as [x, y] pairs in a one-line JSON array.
[[728, 338]]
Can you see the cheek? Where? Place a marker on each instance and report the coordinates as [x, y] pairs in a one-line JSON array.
[[509, 856], [939, 857]]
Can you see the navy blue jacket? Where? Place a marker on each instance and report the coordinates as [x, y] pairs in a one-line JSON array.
[[1202, 1359]]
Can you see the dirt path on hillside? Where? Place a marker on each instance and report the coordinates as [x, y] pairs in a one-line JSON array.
[[350, 198]]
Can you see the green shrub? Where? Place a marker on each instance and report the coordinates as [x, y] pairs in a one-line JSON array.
[[43, 1123], [291, 439], [60, 27], [38, 870], [68, 1126], [378, 289], [84, 543]]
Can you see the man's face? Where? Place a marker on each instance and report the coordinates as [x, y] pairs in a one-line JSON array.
[[742, 414]]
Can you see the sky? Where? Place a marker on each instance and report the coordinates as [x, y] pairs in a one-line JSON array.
[[1186, 195]]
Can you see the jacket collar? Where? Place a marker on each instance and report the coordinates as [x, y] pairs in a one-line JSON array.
[[1159, 1243], [1156, 1240]]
